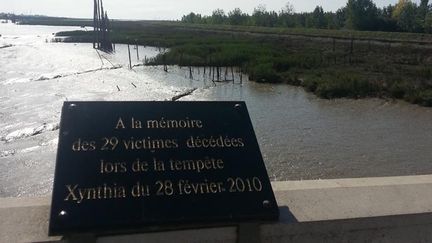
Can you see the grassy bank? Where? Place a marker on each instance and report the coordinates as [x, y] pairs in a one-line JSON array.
[[331, 64]]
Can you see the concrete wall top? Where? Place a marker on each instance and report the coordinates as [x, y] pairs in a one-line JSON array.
[[338, 210]]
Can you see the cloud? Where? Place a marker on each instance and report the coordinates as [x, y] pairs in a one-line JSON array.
[[160, 9]]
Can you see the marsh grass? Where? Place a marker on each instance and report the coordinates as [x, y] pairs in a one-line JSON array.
[[399, 67]]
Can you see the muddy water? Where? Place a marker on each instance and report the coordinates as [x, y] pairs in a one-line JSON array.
[[300, 135], [305, 137]]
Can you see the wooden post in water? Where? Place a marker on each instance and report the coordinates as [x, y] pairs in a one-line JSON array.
[[130, 62], [101, 28], [95, 24], [98, 26], [164, 63], [232, 73], [99, 44], [136, 44], [190, 72], [210, 67], [226, 73]]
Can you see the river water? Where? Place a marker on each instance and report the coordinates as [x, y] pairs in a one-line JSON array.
[[300, 136]]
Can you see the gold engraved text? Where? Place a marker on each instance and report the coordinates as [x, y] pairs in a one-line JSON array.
[[214, 142], [149, 143], [165, 123], [78, 195], [196, 165], [84, 146]]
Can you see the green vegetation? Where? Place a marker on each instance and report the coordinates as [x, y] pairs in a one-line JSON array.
[[329, 63], [405, 16]]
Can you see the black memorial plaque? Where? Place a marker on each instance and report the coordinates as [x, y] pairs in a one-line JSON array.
[[126, 166]]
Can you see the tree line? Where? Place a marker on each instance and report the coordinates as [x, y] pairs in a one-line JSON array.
[[405, 16]]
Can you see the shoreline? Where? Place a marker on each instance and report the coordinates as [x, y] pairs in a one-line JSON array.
[[328, 63], [329, 69]]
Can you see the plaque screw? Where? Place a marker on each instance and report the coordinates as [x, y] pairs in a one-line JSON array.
[[71, 106], [266, 203], [237, 106], [62, 213]]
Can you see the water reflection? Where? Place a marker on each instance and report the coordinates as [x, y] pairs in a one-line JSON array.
[[304, 137]]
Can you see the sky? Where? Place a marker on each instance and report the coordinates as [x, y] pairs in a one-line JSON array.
[[161, 9]]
